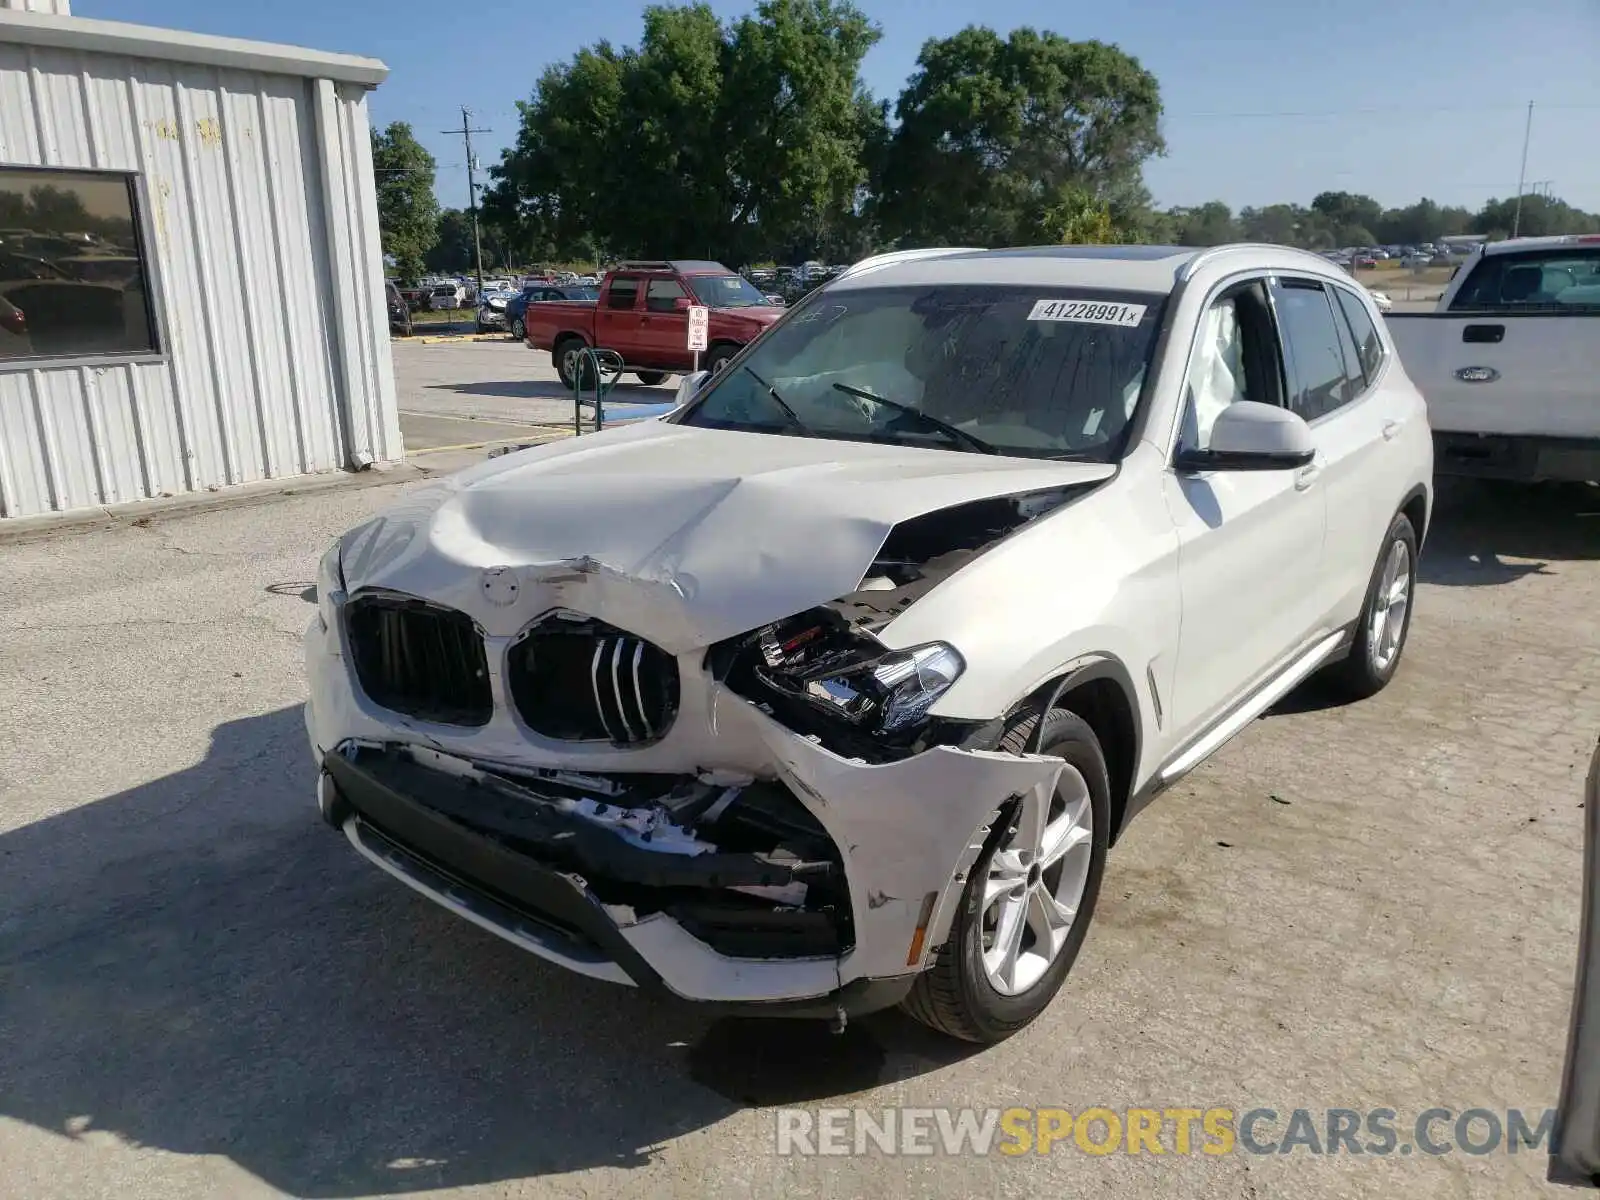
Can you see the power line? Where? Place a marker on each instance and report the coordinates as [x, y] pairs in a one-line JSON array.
[[1375, 110]]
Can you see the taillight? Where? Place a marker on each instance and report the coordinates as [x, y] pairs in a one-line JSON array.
[[11, 317]]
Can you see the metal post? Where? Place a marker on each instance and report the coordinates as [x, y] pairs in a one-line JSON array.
[[1522, 175], [466, 132]]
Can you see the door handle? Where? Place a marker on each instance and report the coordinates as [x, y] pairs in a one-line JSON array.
[[1306, 476], [1484, 334], [1391, 429]]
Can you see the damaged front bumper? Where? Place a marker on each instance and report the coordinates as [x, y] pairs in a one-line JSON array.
[[615, 894]]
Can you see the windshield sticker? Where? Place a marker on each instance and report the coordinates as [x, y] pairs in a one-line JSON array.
[[1088, 312]]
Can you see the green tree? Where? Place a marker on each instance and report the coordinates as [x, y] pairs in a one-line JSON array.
[[452, 253], [1278, 224], [1541, 216], [1342, 210], [408, 212], [1078, 217], [708, 139], [991, 130], [1209, 224]]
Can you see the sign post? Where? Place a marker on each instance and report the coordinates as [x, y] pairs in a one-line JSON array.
[[699, 330]]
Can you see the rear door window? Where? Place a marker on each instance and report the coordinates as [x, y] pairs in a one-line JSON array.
[[1319, 378]]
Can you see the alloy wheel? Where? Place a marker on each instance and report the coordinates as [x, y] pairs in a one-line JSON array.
[[1388, 621], [1036, 882]]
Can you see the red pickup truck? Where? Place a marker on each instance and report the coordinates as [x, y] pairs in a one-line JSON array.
[[643, 314]]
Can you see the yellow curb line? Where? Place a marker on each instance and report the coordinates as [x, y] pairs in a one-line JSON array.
[[547, 436]]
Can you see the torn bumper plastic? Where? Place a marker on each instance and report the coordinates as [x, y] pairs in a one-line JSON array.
[[906, 834]]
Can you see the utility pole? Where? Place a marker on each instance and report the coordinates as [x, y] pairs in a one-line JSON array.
[[1527, 134], [466, 131]]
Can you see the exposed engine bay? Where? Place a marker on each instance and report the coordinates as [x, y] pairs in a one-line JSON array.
[[822, 672]]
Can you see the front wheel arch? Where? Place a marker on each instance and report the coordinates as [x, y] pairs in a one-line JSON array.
[[1099, 688]]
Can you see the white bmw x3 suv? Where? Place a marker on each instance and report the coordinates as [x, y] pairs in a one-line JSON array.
[[831, 689]]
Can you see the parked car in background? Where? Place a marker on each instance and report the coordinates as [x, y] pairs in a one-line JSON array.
[[492, 308], [831, 689], [446, 296], [642, 314], [399, 310], [1510, 358], [516, 306]]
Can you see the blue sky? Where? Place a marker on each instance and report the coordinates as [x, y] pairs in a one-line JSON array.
[[1267, 100]]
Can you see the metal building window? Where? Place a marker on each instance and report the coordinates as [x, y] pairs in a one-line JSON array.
[[74, 274]]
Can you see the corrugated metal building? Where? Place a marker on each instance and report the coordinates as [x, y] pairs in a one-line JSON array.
[[191, 284]]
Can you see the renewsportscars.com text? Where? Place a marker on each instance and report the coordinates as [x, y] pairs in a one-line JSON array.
[[1211, 1131]]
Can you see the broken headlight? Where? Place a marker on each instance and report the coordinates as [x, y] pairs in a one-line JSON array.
[[884, 694]]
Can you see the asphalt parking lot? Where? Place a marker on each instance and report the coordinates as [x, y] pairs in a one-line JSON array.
[[203, 992], [478, 394]]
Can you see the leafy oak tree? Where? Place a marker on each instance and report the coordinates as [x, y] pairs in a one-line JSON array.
[[708, 139], [408, 212], [993, 132]]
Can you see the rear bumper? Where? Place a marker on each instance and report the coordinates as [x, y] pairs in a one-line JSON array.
[[1520, 457]]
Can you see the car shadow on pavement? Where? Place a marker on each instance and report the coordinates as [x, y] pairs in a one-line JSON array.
[[199, 965], [551, 389], [1487, 533]]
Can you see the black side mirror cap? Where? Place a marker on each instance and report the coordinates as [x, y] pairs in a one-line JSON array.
[[1225, 460]]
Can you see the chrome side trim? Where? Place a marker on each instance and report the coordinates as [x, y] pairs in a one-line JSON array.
[[594, 680], [1248, 710], [478, 908]]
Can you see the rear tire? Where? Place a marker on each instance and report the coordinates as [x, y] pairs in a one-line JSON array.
[[958, 994], [1385, 617], [650, 378], [518, 329]]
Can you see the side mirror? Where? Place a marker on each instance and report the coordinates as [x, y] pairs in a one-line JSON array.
[[1250, 436], [682, 304], [688, 386]]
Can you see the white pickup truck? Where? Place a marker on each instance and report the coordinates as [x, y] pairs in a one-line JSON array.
[[1509, 362]]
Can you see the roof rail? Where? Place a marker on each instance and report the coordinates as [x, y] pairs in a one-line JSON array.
[[1186, 272], [900, 256], [643, 264]]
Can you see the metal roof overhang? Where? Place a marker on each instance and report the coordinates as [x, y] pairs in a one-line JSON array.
[[170, 45]]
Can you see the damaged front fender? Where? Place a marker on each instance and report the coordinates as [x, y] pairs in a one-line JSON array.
[[909, 831]]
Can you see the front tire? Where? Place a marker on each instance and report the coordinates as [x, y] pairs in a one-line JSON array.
[[518, 329], [1027, 906], [1385, 617]]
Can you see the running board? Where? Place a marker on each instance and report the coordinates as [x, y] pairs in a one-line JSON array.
[[1279, 687]]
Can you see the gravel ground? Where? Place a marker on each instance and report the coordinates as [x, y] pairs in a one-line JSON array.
[[203, 992]]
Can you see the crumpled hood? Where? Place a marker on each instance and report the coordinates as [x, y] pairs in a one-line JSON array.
[[681, 535]]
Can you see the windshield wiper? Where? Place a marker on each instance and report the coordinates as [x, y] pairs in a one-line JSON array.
[[953, 432], [794, 417]]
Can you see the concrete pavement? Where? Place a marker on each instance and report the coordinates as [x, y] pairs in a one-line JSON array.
[[205, 993]]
